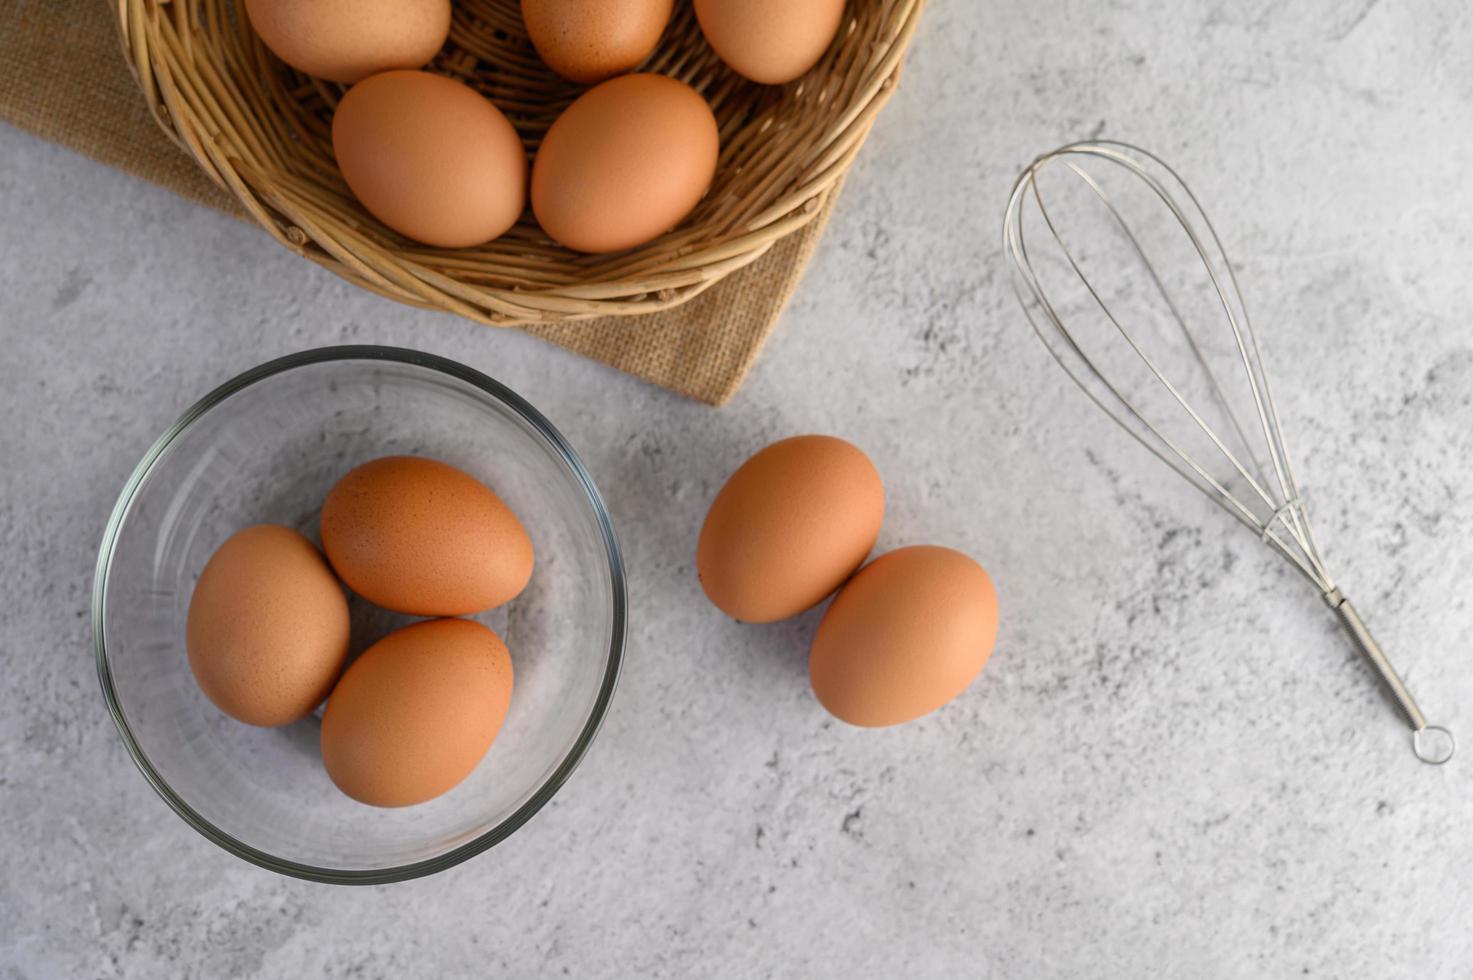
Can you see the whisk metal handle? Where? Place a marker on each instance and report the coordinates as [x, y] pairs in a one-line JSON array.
[[1431, 743]]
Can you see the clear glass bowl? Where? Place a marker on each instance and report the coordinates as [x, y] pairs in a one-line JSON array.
[[267, 447]]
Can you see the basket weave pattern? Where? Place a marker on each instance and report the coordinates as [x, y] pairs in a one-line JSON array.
[[263, 132]]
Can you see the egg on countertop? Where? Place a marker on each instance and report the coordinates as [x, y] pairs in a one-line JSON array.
[[770, 41], [415, 714], [789, 526], [267, 628], [591, 40], [418, 536], [626, 162], [348, 40], [431, 158], [907, 634]]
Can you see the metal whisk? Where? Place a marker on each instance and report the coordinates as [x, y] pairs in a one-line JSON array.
[[1239, 461]]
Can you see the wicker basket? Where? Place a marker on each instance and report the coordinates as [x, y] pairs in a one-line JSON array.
[[262, 131]]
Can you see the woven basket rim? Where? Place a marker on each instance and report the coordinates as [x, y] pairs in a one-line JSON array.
[[174, 53]]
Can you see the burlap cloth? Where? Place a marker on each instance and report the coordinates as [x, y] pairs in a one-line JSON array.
[[63, 77]]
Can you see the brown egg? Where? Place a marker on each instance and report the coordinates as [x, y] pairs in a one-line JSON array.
[[348, 40], [414, 715], [590, 40], [770, 41], [905, 636], [790, 525], [431, 158], [625, 163], [267, 630], [420, 537]]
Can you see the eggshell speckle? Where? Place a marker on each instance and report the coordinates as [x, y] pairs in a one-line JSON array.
[[267, 630], [590, 40], [624, 163], [414, 715], [431, 158], [904, 636], [348, 40], [421, 537], [770, 41], [790, 525]]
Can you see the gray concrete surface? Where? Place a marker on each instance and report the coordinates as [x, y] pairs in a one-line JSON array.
[[1174, 765]]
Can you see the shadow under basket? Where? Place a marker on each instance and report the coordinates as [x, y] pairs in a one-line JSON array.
[[263, 132]]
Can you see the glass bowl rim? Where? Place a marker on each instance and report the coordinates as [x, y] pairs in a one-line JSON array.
[[544, 792]]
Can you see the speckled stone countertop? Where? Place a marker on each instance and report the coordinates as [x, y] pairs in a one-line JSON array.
[[1174, 765]]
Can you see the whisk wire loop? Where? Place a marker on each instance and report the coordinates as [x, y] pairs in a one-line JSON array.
[[1303, 553]]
